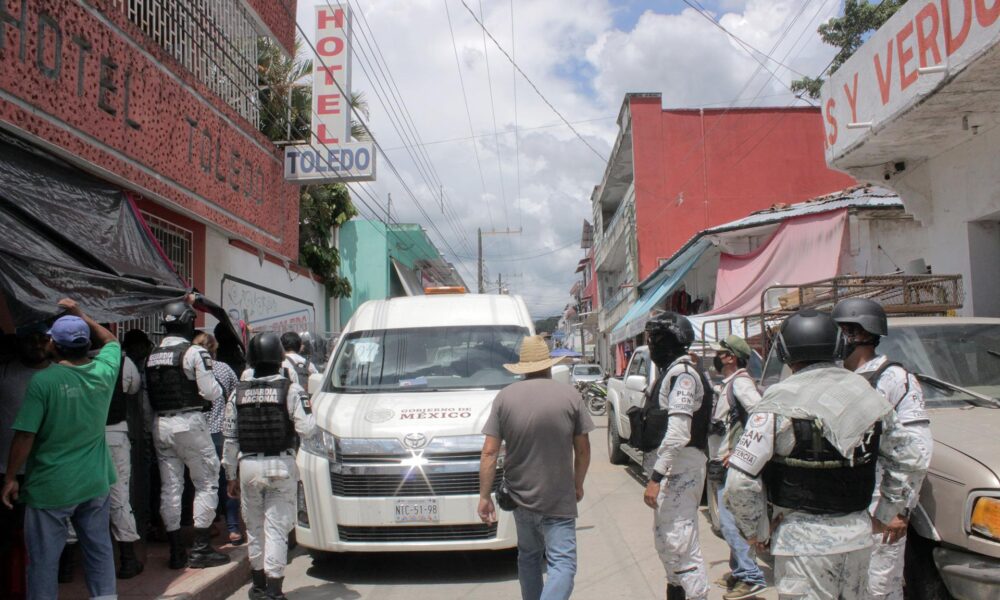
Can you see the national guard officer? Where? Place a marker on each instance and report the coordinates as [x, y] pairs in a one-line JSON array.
[[300, 368], [863, 323], [676, 460], [816, 440], [262, 418], [180, 387]]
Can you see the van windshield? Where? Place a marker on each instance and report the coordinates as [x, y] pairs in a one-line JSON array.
[[425, 359]]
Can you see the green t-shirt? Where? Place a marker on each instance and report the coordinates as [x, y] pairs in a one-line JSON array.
[[67, 409]]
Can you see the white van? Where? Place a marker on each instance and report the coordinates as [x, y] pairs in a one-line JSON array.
[[401, 405]]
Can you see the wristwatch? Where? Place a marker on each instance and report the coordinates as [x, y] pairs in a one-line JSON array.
[[656, 476]]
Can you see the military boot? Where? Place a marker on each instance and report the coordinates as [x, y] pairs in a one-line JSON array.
[[675, 592], [258, 591], [203, 555], [130, 565], [178, 555], [274, 588], [67, 563]]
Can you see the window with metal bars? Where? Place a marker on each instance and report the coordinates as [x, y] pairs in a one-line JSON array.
[[178, 244], [216, 40]]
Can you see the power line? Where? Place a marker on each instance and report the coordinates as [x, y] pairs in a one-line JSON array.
[[532, 84], [496, 138], [468, 112], [517, 140], [374, 140], [400, 120]]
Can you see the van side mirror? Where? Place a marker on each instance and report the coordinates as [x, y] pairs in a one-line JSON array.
[[636, 383], [315, 383]]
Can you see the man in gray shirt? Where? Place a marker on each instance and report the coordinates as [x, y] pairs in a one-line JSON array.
[[545, 427]]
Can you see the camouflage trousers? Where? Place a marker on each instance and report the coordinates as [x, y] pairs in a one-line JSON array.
[[675, 531], [885, 575], [825, 577], [181, 440], [267, 497]]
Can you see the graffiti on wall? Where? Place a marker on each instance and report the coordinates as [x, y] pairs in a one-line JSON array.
[[265, 309]]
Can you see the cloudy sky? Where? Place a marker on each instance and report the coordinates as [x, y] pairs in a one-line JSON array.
[[583, 55]]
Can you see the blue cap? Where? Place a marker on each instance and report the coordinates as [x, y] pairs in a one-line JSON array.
[[70, 332]]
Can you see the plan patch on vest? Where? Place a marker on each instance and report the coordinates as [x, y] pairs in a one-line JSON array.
[[756, 447]]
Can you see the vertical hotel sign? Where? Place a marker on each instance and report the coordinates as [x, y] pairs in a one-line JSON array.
[[331, 156]]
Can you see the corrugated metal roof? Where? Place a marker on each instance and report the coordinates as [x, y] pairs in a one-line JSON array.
[[863, 196], [873, 197]]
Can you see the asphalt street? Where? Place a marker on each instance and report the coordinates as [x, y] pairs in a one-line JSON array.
[[615, 548]]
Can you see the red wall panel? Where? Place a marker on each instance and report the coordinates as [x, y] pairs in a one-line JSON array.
[[694, 170], [85, 80]]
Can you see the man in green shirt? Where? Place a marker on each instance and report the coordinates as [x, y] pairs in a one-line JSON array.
[[59, 433]]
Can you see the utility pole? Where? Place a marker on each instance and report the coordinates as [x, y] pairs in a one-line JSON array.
[[388, 210], [499, 283], [507, 231]]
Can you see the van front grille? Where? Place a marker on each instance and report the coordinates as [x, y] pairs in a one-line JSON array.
[[413, 483], [421, 533]]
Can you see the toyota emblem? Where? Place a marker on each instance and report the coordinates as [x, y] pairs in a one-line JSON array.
[[414, 440]]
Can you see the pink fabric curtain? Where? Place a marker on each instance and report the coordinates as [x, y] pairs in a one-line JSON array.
[[803, 249]]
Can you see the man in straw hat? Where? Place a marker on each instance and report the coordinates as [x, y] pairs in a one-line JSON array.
[[545, 427]]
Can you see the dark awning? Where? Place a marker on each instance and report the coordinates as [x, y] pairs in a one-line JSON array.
[[66, 233]]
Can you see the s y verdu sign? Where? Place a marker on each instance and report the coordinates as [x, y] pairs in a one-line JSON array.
[[910, 57], [331, 156]]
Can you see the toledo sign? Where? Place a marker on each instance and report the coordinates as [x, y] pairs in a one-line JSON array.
[[331, 156]]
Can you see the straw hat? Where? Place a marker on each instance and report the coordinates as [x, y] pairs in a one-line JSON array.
[[534, 356]]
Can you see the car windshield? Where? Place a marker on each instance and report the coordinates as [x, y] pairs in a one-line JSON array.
[[423, 359], [966, 355], [587, 370]]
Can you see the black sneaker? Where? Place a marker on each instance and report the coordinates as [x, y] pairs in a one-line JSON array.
[[743, 590]]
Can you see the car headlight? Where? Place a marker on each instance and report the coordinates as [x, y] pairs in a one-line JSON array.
[[986, 517], [321, 444]]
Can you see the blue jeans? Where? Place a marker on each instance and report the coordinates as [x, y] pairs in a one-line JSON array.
[[551, 538], [45, 536], [232, 505], [742, 560]]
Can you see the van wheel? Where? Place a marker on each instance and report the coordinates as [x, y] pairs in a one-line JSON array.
[[615, 453], [921, 580]]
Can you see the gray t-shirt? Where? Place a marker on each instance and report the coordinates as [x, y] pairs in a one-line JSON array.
[[538, 419]]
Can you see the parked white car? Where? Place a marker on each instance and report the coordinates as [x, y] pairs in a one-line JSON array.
[[401, 406]]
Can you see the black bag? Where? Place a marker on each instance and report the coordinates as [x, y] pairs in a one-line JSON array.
[[648, 423], [716, 471], [504, 499]]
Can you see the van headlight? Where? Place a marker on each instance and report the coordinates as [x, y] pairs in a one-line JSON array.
[[986, 517], [321, 444]]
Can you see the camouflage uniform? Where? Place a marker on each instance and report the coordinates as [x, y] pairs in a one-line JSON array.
[[821, 556], [903, 391], [675, 523]]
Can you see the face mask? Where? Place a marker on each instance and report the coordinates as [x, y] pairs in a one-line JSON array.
[[717, 364]]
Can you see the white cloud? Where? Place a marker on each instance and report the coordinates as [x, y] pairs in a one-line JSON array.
[[568, 53]]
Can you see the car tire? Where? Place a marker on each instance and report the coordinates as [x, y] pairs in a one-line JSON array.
[[615, 453], [921, 580]]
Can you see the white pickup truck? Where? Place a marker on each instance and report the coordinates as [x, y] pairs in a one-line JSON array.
[[624, 393]]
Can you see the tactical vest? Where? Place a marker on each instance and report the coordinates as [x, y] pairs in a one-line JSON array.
[[650, 423], [168, 387], [262, 419], [301, 370], [738, 414], [117, 410], [875, 376], [816, 478]]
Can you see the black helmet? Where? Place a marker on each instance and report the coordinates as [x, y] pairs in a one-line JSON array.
[[672, 328], [808, 336], [265, 349], [867, 314], [178, 318]]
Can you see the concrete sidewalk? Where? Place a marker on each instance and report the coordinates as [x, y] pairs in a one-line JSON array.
[[157, 581]]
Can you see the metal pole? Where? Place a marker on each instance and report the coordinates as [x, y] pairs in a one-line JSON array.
[[480, 262], [388, 210]]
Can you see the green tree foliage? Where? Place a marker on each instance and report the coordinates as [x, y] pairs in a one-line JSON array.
[[285, 97], [848, 33]]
